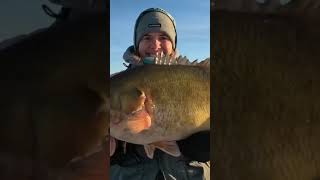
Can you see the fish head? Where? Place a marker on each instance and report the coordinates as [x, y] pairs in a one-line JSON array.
[[130, 112]]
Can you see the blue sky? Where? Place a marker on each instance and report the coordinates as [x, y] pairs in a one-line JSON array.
[[193, 26]]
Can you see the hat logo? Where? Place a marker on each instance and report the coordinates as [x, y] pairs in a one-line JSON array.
[[154, 25]]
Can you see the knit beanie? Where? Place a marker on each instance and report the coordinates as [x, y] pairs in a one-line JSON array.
[[155, 20]]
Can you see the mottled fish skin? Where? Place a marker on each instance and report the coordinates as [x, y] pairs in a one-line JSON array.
[[54, 93], [178, 101]]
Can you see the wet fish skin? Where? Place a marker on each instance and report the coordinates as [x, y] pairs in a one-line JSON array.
[[177, 100]]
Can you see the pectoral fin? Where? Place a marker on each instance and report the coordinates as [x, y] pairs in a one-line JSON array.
[[170, 147], [149, 149]]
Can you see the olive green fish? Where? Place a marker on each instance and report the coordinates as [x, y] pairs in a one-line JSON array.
[[155, 105]]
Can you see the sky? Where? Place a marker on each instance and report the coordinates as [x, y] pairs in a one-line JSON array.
[[192, 20]]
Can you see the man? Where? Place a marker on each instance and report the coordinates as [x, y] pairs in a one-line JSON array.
[[155, 35]]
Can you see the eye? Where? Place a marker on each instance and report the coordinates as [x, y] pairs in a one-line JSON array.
[[164, 38], [147, 38]]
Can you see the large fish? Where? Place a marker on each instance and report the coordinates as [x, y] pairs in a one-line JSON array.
[[54, 95], [155, 105]]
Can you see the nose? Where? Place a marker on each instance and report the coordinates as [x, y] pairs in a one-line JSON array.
[[155, 44]]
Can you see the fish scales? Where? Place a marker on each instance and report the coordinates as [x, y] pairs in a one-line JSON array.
[[180, 95]]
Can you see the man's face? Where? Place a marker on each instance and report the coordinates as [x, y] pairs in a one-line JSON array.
[[155, 43]]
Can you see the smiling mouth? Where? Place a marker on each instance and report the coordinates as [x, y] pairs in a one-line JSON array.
[[155, 53]]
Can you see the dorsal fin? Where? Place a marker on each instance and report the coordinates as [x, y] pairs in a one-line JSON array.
[[182, 60], [185, 61], [167, 60]]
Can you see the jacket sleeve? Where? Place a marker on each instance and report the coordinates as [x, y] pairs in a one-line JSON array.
[[196, 147]]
